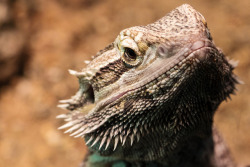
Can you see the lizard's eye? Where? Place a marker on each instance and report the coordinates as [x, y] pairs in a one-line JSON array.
[[130, 57], [129, 54]]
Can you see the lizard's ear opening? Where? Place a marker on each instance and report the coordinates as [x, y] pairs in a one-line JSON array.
[[91, 94]]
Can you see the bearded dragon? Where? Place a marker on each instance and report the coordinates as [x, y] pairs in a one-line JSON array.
[[148, 98]]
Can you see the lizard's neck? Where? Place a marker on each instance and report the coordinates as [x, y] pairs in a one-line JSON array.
[[175, 145], [195, 151], [180, 131], [195, 146], [178, 145], [209, 151]]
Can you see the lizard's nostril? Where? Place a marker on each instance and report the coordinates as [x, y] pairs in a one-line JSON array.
[[162, 51]]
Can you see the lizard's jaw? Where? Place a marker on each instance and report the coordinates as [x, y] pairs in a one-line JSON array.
[[85, 99], [195, 52]]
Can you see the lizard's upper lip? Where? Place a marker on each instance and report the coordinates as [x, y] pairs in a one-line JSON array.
[[196, 46], [194, 51]]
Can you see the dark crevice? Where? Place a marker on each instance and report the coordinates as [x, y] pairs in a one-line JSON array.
[[21, 64], [14, 49], [91, 94]]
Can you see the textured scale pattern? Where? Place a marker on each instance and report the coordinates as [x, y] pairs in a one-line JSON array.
[[148, 98]]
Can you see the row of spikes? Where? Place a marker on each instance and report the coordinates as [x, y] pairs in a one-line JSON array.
[[81, 129]]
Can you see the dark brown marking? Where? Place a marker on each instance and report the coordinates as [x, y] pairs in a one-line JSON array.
[[109, 74]]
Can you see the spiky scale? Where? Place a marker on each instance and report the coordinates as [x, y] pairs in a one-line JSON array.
[[73, 128], [103, 141], [69, 124], [89, 140], [77, 132], [116, 142], [108, 142], [131, 139], [96, 140], [62, 116], [63, 106]]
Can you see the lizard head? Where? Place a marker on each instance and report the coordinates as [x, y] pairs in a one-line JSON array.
[[155, 85]]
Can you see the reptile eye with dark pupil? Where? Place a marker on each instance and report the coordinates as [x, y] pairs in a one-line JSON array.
[[130, 54]]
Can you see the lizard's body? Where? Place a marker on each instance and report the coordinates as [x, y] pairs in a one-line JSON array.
[[148, 99]]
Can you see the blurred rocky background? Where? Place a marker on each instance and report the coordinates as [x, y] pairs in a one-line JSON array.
[[41, 39]]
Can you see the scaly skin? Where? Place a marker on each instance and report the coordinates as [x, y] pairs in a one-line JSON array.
[[148, 99]]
